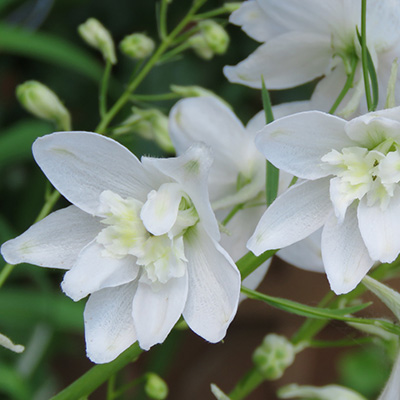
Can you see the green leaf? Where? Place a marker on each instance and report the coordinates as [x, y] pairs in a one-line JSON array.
[[13, 384], [21, 308], [302, 309], [16, 141], [48, 48]]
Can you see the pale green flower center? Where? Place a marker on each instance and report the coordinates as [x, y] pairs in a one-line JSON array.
[[361, 172], [162, 257]]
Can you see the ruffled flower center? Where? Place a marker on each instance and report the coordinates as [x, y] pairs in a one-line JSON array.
[[131, 229], [362, 172]]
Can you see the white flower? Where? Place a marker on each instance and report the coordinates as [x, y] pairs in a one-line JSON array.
[[350, 173], [392, 387], [312, 38], [141, 239], [237, 175]]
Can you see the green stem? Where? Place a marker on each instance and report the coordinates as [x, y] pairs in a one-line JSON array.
[[163, 19], [364, 53], [147, 68], [5, 273], [347, 86], [104, 89], [97, 375], [154, 97], [111, 388], [175, 51], [247, 384], [232, 213], [249, 262], [212, 13]]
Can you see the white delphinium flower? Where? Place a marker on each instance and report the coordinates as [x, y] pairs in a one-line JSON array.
[[237, 175], [140, 238], [350, 175], [312, 38]]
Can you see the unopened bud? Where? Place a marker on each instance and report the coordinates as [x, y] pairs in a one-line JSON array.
[[155, 387], [137, 46], [97, 36], [215, 35], [329, 392], [274, 355], [42, 102], [200, 46], [8, 344], [232, 6], [151, 124]]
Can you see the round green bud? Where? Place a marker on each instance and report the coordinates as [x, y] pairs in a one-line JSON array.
[[155, 387], [137, 46]]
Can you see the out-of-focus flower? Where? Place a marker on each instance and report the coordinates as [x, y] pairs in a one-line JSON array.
[[392, 388], [329, 392], [42, 102], [303, 41], [141, 239], [8, 344], [237, 175], [349, 184], [137, 46], [96, 35]]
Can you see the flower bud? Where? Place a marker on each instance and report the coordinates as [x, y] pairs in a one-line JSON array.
[[137, 46], [274, 355], [97, 36], [42, 102], [232, 6], [151, 124], [330, 392], [8, 344], [196, 91], [155, 387], [200, 46], [215, 36]]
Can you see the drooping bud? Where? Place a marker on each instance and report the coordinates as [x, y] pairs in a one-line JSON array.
[[200, 46], [329, 392], [8, 344], [155, 387], [212, 39], [137, 46], [215, 35], [97, 36], [42, 102], [274, 355], [151, 124]]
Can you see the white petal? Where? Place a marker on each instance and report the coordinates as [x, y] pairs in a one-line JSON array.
[[109, 328], [344, 253], [305, 254], [155, 312], [372, 129], [214, 286], [160, 211], [296, 143], [191, 170], [252, 19], [294, 215], [55, 241], [285, 61], [93, 272], [81, 165], [380, 230]]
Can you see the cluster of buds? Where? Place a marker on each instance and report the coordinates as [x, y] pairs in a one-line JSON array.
[[212, 39]]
